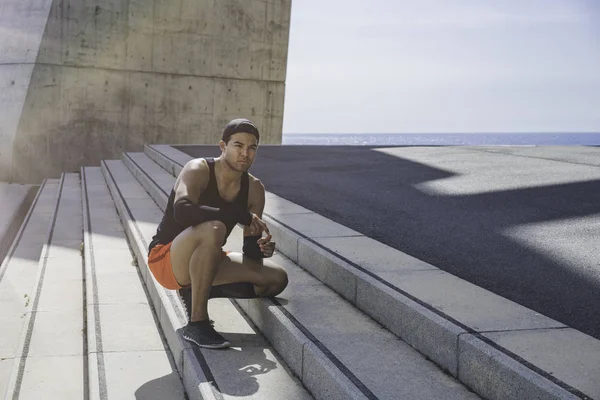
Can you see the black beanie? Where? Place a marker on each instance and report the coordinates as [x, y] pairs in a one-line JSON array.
[[240, 125]]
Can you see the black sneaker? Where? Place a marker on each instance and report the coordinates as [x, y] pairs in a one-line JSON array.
[[204, 335]]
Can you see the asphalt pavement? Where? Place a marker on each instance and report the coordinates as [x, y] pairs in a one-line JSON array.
[[522, 222]]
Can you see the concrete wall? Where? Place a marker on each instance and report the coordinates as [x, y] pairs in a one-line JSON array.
[[85, 80]]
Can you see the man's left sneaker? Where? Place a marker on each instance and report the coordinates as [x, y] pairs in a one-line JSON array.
[[202, 334]]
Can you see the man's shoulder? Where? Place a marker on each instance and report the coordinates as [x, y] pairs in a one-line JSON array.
[[255, 183], [196, 165], [255, 187]]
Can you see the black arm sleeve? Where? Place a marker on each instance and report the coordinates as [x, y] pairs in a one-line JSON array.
[[186, 213], [251, 248], [236, 214]]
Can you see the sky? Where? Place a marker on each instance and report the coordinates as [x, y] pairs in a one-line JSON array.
[[442, 66]]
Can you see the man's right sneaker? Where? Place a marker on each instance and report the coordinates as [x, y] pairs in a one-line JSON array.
[[204, 335]]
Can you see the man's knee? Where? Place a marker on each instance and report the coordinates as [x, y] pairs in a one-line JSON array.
[[282, 279], [210, 233], [279, 282]]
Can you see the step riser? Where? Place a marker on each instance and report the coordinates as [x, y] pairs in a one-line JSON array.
[[172, 166], [435, 336]]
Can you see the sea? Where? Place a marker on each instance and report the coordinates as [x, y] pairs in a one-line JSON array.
[[444, 139]]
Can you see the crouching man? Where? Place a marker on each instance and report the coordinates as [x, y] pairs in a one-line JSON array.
[[211, 196]]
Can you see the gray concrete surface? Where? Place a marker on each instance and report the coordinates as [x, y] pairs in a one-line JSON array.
[[519, 222], [548, 347], [84, 81]]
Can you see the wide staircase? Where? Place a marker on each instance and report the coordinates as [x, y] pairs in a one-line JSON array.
[[82, 318]]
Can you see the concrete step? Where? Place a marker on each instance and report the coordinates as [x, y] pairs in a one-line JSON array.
[[335, 349], [18, 275], [49, 361], [127, 354], [15, 201], [498, 348], [251, 369]]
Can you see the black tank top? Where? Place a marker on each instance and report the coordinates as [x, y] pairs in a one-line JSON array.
[[168, 229]]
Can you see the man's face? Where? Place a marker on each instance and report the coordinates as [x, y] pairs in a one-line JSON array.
[[240, 151]]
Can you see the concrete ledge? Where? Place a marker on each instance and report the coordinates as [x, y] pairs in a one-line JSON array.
[[426, 331], [287, 340], [337, 275], [170, 159], [137, 163], [286, 242], [198, 385], [324, 379], [320, 376], [495, 375]]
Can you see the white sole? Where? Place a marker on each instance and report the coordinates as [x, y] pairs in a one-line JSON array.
[[209, 346]]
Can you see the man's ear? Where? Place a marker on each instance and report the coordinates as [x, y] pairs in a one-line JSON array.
[[222, 145]]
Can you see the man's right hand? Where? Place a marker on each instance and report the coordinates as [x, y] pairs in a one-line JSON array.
[[258, 226]]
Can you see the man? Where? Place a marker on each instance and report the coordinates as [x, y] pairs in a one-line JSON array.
[[209, 198]]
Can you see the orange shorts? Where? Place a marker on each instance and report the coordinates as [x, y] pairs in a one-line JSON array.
[[159, 262]]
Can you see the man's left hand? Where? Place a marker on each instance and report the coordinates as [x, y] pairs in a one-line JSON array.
[[267, 247]]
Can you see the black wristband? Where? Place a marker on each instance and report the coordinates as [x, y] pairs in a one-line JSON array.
[[251, 249]]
